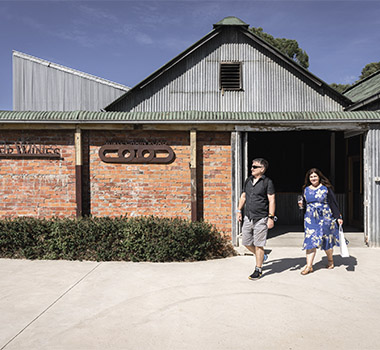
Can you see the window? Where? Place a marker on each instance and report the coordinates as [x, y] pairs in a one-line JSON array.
[[230, 76]]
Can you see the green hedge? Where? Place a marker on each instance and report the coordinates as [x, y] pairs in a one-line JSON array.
[[104, 239]]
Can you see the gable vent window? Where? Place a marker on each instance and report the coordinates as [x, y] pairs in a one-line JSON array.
[[230, 76]]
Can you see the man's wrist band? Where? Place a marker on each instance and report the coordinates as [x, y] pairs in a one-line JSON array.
[[274, 218], [238, 211]]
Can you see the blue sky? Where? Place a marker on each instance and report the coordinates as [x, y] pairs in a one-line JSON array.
[[125, 41]]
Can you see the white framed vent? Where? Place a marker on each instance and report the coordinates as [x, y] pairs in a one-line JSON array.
[[230, 76]]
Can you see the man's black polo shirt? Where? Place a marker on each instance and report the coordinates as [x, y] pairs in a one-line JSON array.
[[257, 204]]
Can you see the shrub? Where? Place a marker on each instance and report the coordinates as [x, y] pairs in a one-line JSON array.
[[104, 239]]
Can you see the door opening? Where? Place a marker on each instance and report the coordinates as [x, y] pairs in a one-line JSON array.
[[292, 153]]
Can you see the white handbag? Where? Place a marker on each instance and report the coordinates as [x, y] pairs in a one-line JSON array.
[[342, 243]]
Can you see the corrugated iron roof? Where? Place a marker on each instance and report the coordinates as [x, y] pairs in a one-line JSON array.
[[365, 88], [216, 30], [37, 116], [184, 117], [70, 70]]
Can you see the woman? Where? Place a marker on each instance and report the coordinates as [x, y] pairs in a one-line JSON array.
[[321, 215]]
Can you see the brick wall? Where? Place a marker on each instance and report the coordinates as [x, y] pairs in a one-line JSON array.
[[214, 154], [46, 187], [38, 187], [140, 189], [163, 190]]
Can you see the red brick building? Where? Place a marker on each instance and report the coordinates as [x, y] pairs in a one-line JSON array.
[[179, 143]]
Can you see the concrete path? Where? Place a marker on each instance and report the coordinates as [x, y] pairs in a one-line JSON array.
[[203, 305]]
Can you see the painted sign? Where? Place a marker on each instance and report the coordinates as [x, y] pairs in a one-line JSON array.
[[137, 153], [28, 150]]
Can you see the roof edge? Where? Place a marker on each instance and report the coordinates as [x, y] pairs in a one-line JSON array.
[[245, 30], [166, 66], [70, 70], [298, 67], [88, 117], [361, 81]]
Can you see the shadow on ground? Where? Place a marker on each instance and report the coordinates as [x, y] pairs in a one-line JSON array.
[[293, 264]]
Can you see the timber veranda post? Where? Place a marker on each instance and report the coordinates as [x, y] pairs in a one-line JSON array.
[[78, 171], [193, 174]]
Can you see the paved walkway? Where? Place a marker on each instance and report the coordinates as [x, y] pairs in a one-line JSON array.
[[203, 305]]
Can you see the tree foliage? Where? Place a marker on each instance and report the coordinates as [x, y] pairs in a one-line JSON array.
[[289, 47], [369, 69], [340, 87]]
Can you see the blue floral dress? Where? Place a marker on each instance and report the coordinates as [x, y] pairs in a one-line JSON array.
[[321, 229]]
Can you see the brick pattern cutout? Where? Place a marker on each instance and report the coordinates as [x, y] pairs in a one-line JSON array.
[[38, 187]]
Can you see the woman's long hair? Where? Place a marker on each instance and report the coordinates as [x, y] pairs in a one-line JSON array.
[[322, 178]]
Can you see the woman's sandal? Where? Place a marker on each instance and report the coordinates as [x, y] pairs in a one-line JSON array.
[[308, 269], [330, 264]]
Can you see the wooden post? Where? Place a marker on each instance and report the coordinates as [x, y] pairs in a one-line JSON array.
[[246, 166], [193, 174], [237, 164], [78, 171]]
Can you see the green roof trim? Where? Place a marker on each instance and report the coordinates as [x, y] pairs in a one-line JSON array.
[[185, 117], [38, 115], [365, 88], [231, 21]]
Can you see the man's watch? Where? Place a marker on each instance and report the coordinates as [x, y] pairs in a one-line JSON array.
[[273, 217]]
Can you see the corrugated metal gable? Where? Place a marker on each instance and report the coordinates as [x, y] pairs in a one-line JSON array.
[[270, 83], [45, 86]]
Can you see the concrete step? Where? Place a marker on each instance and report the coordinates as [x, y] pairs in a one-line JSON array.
[[292, 236]]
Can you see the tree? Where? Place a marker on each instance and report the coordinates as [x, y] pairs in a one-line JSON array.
[[340, 87], [369, 69], [289, 47]]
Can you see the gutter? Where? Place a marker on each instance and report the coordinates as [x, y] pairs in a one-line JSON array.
[[362, 103]]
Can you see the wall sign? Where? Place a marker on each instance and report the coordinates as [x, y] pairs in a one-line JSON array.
[[137, 153], [28, 150]]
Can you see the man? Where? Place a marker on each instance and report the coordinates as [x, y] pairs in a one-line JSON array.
[[258, 196]]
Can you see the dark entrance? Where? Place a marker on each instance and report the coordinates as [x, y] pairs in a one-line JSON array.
[[292, 153]]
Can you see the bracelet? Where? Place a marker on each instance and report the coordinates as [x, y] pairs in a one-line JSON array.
[[273, 217], [238, 211]]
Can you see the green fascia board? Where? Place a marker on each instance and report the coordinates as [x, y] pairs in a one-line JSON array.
[[184, 117]]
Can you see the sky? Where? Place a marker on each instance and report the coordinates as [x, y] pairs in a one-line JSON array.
[[125, 41]]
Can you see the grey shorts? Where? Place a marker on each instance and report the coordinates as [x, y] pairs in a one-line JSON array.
[[255, 234]]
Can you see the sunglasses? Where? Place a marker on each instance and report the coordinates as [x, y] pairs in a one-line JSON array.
[[256, 166]]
